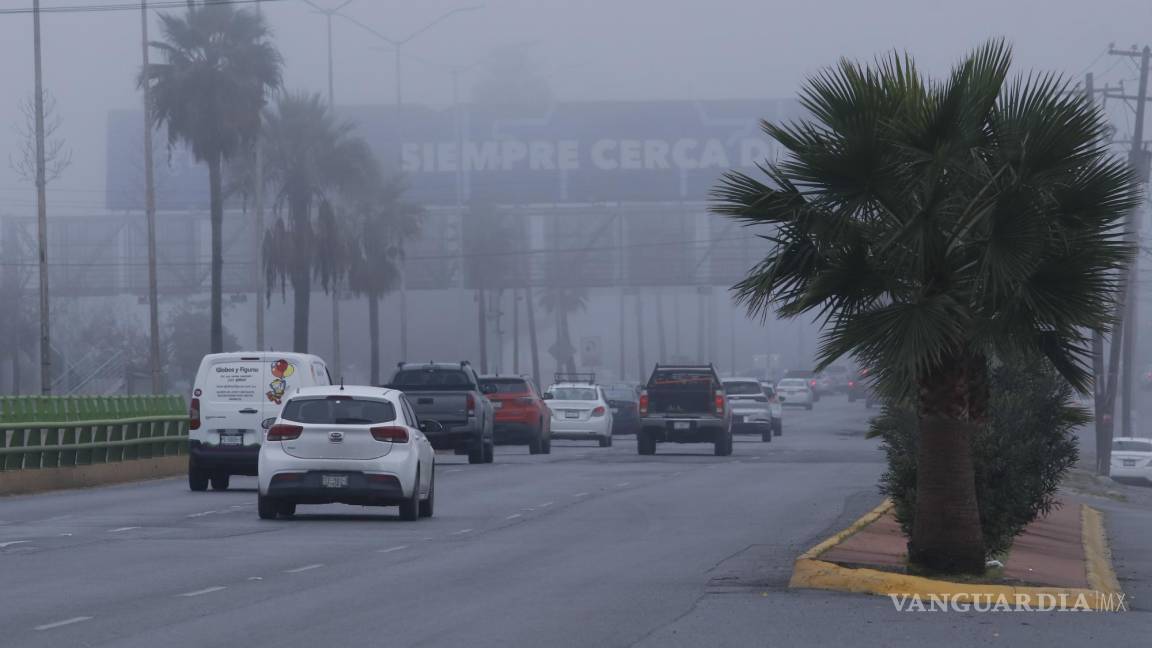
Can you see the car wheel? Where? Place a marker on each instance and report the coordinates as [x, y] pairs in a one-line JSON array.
[[476, 454], [220, 481], [605, 442], [723, 445], [267, 507], [489, 451], [410, 508], [536, 443], [645, 443], [546, 444], [808, 406], [777, 427], [287, 509], [429, 502], [766, 433], [197, 478]]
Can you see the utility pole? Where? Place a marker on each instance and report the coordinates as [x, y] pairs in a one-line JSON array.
[[1138, 159], [150, 217], [258, 227], [41, 211]]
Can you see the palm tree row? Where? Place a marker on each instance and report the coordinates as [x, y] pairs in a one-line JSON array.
[[337, 217]]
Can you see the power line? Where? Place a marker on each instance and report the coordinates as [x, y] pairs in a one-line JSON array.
[[125, 6]]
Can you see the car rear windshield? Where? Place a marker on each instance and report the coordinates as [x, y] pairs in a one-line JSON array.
[[743, 387], [337, 410], [574, 393], [793, 382], [620, 393], [1132, 446], [505, 385], [430, 379]]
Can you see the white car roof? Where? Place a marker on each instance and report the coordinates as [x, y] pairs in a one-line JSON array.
[[354, 391], [263, 355], [751, 380]]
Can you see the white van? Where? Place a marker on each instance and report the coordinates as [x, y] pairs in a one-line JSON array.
[[233, 393]]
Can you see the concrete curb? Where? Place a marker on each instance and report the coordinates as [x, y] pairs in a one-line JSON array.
[[809, 572], [22, 482]]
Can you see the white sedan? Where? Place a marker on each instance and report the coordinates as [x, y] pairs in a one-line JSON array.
[[795, 392], [1131, 460], [349, 445], [580, 412]]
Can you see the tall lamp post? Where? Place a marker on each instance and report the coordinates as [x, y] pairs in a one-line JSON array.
[[397, 47]]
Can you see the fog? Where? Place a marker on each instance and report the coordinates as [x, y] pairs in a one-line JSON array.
[[581, 51]]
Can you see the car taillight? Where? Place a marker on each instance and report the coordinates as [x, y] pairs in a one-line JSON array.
[[390, 433], [720, 403], [194, 414], [812, 383], [599, 411], [851, 383], [643, 404], [471, 405], [283, 432]]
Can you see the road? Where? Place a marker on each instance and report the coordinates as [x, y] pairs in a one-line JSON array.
[[584, 547]]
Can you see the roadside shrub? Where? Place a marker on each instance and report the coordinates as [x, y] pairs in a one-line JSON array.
[[1020, 456]]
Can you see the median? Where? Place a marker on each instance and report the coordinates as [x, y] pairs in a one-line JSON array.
[[1059, 562]]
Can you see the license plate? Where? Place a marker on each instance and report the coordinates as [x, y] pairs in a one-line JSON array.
[[681, 425], [615, 410], [1129, 463], [571, 414], [334, 481], [231, 439]]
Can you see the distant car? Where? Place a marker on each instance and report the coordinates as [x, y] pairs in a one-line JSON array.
[[1146, 378], [348, 445], [858, 386], [810, 377], [522, 416], [624, 399], [795, 392], [751, 409], [777, 409], [1132, 460], [837, 378], [580, 411], [450, 393]]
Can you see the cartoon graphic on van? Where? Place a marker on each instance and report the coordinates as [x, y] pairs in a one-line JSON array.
[[281, 370]]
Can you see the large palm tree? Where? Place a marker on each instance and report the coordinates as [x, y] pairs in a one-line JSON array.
[[311, 159], [385, 222], [934, 225], [562, 301], [218, 66]]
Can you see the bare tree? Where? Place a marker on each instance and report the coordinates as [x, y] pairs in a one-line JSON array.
[[57, 156]]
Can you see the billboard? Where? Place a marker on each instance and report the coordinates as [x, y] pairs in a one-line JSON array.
[[578, 152]]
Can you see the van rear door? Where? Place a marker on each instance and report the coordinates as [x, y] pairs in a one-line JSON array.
[[232, 402]]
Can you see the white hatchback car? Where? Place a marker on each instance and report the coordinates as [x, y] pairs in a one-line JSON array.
[[1131, 460], [580, 411], [795, 392], [349, 445]]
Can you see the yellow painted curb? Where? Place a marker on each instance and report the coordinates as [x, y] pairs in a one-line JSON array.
[[809, 572]]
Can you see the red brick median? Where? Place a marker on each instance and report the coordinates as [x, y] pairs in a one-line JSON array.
[[1050, 551]]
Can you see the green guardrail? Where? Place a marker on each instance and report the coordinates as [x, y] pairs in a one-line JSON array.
[[55, 431]]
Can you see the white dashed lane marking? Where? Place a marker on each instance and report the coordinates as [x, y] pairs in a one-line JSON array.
[[13, 542], [513, 516], [303, 569], [461, 532], [58, 624], [196, 515], [391, 549], [580, 495], [206, 590], [122, 529]]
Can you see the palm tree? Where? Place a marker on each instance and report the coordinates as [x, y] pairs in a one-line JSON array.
[[385, 223], [561, 302], [219, 65], [934, 225], [310, 158]]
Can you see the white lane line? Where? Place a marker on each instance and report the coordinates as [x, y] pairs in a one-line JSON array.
[[580, 495], [255, 578], [58, 624], [304, 568], [196, 515], [461, 532], [453, 470], [391, 549], [13, 542], [122, 529], [546, 504], [206, 590], [623, 484], [513, 516], [66, 535]]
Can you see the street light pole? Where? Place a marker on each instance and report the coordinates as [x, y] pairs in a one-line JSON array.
[[41, 210], [150, 217]]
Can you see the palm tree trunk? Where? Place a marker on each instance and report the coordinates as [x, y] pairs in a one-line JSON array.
[[946, 534], [374, 337], [516, 331], [569, 361], [661, 338], [301, 305], [640, 335], [533, 348], [482, 327], [216, 193]]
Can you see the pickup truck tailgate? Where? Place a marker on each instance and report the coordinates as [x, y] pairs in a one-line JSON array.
[[444, 407]]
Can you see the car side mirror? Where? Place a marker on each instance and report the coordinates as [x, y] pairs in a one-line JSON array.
[[431, 427], [547, 396], [267, 423]]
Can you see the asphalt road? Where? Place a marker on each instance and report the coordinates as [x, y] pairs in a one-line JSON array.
[[584, 547]]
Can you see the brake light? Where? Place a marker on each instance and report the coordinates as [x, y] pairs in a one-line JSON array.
[[283, 432], [599, 411], [194, 414], [720, 403], [390, 433], [851, 383], [643, 404], [471, 406], [812, 383]]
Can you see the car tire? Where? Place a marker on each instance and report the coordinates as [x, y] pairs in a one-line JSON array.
[[722, 447], [605, 442], [410, 507], [197, 478], [287, 509], [267, 508], [546, 444], [429, 503], [489, 451], [645, 443], [808, 406], [536, 443], [220, 481], [476, 454], [777, 427], [766, 433]]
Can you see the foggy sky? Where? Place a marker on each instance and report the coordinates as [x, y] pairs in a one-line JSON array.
[[590, 49]]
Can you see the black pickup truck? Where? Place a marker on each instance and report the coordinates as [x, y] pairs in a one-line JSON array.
[[450, 393], [684, 404]]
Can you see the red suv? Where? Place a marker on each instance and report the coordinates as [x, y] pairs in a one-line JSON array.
[[522, 417]]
